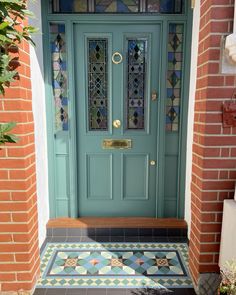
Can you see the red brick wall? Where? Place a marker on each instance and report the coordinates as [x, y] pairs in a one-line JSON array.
[[214, 147], [19, 252]]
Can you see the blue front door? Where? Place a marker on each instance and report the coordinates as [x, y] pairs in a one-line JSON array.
[[117, 82]]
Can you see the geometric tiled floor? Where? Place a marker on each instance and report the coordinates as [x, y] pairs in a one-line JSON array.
[[109, 265]]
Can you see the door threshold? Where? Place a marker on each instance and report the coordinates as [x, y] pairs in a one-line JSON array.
[[117, 222]]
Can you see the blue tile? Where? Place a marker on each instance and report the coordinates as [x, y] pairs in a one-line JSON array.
[[102, 231], [129, 232], [49, 232], [145, 232], [160, 232], [73, 232], [59, 232], [117, 232]]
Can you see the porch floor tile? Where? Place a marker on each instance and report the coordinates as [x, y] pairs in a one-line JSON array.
[[119, 266]]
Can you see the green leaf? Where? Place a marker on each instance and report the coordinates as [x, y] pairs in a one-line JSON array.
[[6, 127], [4, 25], [31, 29], [5, 39], [18, 2], [11, 138], [28, 13], [12, 14]]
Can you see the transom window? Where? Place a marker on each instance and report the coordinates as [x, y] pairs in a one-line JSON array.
[[117, 6]]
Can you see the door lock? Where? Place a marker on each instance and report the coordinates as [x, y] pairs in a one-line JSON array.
[[153, 163]]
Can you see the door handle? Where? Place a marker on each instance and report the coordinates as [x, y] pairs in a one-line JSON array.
[[116, 124], [153, 163]]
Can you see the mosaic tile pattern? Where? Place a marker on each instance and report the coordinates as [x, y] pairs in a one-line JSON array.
[[59, 73], [174, 76], [115, 265]]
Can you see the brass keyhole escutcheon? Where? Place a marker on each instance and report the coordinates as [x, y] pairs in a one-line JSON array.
[[116, 124], [154, 95]]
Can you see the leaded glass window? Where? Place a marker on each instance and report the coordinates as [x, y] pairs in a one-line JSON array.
[[59, 75], [118, 6], [136, 78], [69, 6], [174, 76], [98, 84], [165, 6]]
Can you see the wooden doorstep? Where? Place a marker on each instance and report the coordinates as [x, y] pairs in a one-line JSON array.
[[116, 222]]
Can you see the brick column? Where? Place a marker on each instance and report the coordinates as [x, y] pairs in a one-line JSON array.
[[214, 147], [19, 252]]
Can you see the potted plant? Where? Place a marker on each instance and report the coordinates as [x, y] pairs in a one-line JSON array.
[[228, 282]]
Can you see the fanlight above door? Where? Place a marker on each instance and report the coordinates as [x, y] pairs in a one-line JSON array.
[[118, 6]]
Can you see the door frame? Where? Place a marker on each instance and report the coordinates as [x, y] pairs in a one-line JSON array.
[[69, 137]]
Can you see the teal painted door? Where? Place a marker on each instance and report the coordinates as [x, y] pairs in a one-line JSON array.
[[117, 78]]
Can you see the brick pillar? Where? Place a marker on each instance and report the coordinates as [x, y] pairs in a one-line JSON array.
[[19, 252], [214, 147]]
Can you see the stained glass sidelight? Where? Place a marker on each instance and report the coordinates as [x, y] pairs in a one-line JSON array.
[[98, 84], [69, 6], [117, 6], [165, 6], [136, 76], [59, 73], [174, 76]]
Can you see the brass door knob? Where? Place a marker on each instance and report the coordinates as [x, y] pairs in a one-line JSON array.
[[116, 124], [153, 163]]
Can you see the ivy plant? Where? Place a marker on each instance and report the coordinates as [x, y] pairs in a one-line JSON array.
[[13, 30]]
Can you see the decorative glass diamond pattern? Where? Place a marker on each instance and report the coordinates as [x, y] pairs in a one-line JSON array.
[[69, 6], [174, 76], [98, 84], [116, 6], [59, 73], [165, 6], [136, 76]]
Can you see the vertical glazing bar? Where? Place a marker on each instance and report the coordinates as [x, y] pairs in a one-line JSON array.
[[91, 6], [56, 6]]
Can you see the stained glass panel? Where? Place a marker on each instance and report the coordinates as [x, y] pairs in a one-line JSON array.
[[116, 6], [98, 84], [59, 75], [136, 76], [165, 6], [174, 76], [70, 6]]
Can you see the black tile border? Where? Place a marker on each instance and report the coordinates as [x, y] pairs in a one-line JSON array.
[[113, 232]]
